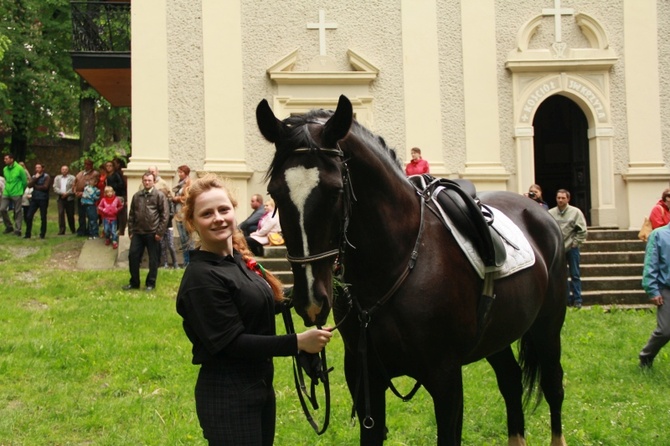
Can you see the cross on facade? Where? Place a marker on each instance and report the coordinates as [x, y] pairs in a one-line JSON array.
[[322, 26], [557, 12]]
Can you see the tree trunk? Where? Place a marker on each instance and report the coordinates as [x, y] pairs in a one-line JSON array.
[[86, 120], [19, 143]]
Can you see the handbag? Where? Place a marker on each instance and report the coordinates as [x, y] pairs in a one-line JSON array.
[[275, 239], [645, 231]]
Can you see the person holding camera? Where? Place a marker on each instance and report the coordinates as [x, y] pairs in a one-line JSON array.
[[535, 194]]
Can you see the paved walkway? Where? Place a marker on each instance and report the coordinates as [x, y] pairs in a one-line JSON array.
[[95, 255]]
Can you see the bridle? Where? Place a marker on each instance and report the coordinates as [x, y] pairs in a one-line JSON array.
[[336, 152], [364, 315]]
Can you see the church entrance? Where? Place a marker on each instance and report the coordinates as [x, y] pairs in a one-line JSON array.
[[561, 149]]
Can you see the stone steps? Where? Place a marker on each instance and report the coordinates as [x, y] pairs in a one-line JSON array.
[[611, 267]]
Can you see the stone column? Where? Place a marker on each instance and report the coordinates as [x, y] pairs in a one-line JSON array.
[[421, 74], [149, 91], [480, 85], [647, 173], [225, 151], [603, 210]]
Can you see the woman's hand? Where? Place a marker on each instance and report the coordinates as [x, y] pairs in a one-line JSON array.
[[313, 341]]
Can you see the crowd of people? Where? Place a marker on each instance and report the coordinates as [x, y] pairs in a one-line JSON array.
[[103, 208]]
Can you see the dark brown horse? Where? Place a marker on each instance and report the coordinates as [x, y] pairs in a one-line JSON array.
[[341, 193]]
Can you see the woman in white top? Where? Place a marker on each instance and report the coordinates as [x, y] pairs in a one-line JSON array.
[[269, 223]]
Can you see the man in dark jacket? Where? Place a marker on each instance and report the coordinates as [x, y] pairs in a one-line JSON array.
[[147, 222], [40, 182]]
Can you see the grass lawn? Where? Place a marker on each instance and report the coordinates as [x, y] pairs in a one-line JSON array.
[[84, 363]]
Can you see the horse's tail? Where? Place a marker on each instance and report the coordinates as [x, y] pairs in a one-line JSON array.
[[531, 371]]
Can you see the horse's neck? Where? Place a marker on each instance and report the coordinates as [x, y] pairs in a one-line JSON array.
[[384, 224]]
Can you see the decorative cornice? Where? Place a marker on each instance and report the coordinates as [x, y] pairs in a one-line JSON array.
[[282, 72]]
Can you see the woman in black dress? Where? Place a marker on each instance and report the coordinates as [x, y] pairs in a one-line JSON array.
[[228, 304]]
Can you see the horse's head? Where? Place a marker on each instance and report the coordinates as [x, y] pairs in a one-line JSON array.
[[307, 184]]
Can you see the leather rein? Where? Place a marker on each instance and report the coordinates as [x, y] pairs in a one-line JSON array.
[[364, 315]]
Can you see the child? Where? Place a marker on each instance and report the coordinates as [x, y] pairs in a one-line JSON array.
[[88, 199], [109, 207]]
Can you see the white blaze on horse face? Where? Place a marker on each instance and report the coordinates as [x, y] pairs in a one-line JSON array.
[[301, 182]]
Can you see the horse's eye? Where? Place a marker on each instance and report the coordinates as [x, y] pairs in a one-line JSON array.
[[335, 196]]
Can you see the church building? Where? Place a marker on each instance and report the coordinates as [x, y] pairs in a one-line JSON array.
[[570, 94]]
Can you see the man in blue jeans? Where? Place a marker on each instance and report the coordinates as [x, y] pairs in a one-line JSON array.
[[573, 226], [656, 283]]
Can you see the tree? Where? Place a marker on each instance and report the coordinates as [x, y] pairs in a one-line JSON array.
[[42, 91]]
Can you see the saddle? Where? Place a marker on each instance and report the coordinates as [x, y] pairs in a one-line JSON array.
[[458, 199]]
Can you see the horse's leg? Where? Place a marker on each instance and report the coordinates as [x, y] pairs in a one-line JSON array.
[[372, 430], [546, 343], [446, 389], [508, 374]]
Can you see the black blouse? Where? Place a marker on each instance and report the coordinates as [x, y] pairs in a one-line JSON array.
[[229, 311]]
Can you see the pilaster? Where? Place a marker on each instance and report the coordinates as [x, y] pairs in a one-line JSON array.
[[647, 173], [480, 85], [421, 74]]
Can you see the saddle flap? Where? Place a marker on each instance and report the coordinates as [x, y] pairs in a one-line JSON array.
[[458, 200]]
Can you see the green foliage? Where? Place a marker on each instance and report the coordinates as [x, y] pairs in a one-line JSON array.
[[42, 89], [4, 44], [101, 154], [82, 362]]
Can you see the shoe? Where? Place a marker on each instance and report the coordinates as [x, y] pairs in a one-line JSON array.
[[26, 236], [115, 245], [129, 287], [578, 305], [61, 232], [8, 230], [107, 242], [42, 236], [17, 233], [149, 288], [646, 362]]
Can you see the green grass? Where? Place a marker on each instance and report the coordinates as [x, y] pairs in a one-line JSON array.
[[84, 363]]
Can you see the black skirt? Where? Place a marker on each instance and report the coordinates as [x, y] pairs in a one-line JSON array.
[[235, 402]]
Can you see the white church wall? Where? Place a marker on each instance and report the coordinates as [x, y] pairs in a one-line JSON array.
[[663, 9], [274, 29], [185, 85]]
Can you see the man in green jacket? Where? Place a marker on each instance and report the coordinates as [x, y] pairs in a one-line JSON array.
[[573, 226], [16, 181]]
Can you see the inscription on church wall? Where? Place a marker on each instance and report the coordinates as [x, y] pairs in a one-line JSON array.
[[535, 98], [548, 88], [590, 96]]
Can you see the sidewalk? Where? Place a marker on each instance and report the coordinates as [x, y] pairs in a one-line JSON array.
[[96, 256]]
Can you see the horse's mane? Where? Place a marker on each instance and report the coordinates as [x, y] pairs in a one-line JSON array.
[[299, 136]]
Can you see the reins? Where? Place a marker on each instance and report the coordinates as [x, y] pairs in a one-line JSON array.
[[319, 371]]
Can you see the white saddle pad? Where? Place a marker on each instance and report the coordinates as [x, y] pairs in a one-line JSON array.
[[519, 257]]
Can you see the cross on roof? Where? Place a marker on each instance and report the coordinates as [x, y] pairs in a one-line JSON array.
[[322, 26], [557, 12]]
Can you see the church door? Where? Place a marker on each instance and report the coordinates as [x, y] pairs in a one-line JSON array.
[[561, 148]]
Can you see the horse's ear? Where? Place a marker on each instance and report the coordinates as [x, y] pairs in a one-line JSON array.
[[339, 124], [271, 127]]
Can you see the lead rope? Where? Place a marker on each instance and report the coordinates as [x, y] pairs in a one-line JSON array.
[[299, 380]]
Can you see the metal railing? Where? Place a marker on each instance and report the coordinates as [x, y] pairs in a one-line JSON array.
[[101, 26]]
